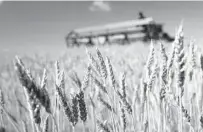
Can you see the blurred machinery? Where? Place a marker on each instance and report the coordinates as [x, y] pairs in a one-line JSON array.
[[142, 29]]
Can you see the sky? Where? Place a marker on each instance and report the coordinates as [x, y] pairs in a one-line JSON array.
[[27, 26]]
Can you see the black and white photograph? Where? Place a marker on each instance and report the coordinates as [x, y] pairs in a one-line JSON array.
[[101, 66]]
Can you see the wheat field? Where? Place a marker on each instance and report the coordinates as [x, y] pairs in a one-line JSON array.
[[158, 90]]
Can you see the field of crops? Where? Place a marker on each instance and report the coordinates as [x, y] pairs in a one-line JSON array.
[[131, 88]]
